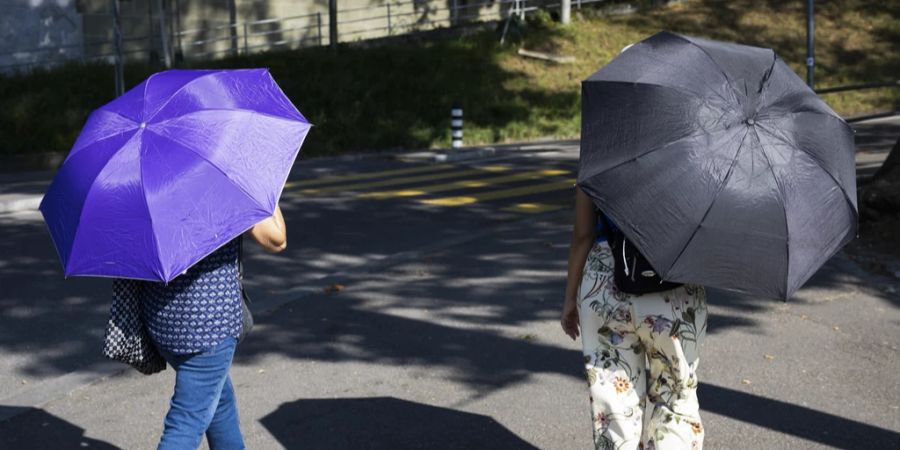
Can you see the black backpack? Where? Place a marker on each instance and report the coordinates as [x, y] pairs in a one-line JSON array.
[[632, 273]]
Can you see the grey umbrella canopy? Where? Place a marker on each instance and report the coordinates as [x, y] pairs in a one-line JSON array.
[[718, 163]]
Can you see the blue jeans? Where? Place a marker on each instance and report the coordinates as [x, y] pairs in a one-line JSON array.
[[203, 401]]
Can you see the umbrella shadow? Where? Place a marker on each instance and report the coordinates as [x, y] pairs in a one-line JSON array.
[[36, 429], [384, 423], [795, 420]]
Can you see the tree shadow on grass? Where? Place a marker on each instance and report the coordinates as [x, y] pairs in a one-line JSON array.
[[854, 39]]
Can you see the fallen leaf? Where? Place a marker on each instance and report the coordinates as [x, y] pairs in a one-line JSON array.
[[261, 371], [769, 357], [334, 288], [745, 381], [24, 382], [837, 328], [527, 337]]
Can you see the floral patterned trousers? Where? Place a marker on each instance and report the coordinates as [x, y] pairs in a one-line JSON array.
[[641, 357]]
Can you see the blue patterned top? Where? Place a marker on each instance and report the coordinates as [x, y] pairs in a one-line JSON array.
[[198, 310], [601, 232]]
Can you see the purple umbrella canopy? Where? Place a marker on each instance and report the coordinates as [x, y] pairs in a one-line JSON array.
[[170, 171]]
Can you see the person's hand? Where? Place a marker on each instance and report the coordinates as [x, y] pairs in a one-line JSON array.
[[569, 319]]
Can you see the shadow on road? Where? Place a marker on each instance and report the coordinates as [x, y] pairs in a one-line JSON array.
[[795, 420], [384, 423], [36, 429]]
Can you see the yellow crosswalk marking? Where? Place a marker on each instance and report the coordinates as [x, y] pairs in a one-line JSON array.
[[404, 180], [504, 193], [533, 208], [465, 184], [367, 175]]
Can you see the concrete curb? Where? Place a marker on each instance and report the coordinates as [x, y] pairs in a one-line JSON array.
[[21, 203], [447, 156]]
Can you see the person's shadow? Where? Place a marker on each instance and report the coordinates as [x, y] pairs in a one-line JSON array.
[[384, 423], [33, 428]]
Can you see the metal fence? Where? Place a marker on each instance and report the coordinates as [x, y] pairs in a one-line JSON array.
[[354, 24]]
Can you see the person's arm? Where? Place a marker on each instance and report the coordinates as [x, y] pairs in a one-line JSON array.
[[583, 236], [271, 233]]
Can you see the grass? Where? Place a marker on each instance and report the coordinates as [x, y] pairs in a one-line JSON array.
[[398, 95]]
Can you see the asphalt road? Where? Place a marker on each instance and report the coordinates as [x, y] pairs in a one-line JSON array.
[[442, 331]]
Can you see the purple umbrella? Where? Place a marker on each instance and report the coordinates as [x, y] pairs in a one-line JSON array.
[[170, 171]]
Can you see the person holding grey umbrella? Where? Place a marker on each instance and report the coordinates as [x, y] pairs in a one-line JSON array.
[[712, 164], [640, 351]]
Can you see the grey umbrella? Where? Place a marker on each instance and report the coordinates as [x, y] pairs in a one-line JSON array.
[[718, 163]]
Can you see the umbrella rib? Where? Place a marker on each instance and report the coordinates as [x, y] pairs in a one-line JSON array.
[[764, 84], [144, 95], [673, 88], [787, 236], [177, 91], [655, 149], [87, 197], [818, 163], [727, 79], [812, 111], [219, 169], [150, 217], [711, 204], [237, 110], [74, 151]]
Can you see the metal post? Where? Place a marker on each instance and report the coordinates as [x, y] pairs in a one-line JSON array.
[[164, 34], [232, 26], [117, 44], [456, 126], [388, 5], [150, 33], [332, 24], [565, 11], [454, 12], [810, 43], [319, 26], [246, 46], [179, 55]]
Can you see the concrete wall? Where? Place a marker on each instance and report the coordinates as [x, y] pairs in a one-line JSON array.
[[33, 30], [200, 28]]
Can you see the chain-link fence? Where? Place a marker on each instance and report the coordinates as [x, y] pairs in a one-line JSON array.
[[142, 35]]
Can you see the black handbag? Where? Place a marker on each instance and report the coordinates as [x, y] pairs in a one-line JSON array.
[[632, 273], [126, 339], [246, 315]]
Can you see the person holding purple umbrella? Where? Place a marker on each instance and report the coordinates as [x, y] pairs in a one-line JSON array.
[[157, 193], [194, 322]]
